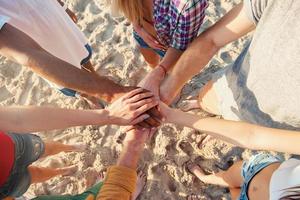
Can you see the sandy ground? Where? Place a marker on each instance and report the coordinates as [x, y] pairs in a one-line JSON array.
[[115, 55]]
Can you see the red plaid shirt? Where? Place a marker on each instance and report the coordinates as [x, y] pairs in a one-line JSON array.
[[177, 22]]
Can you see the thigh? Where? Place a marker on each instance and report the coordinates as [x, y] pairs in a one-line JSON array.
[[233, 175], [208, 99], [235, 193]]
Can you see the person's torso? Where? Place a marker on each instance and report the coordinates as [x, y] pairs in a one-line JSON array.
[[48, 24], [166, 17], [285, 179], [259, 185], [268, 80], [7, 155]]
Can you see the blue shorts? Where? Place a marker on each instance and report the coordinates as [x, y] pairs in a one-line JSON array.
[[28, 149], [70, 92], [252, 167], [143, 44]]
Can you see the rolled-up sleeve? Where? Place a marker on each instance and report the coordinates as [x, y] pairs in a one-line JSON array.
[[119, 184], [3, 20], [189, 23], [255, 9]]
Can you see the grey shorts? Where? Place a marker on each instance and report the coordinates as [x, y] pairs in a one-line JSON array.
[[225, 86], [226, 101], [28, 149]]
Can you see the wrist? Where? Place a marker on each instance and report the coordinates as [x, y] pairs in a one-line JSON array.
[[163, 68], [160, 72], [109, 116], [133, 146], [171, 115]]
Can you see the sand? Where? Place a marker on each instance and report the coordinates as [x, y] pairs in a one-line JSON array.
[[116, 56]]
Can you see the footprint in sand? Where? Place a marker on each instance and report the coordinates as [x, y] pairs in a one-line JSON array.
[[186, 147]]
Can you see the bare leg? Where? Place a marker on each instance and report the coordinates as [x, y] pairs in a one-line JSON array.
[[231, 178], [207, 100], [150, 56], [42, 174], [140, 184], [235, 193], [52, 148], [189, 104]]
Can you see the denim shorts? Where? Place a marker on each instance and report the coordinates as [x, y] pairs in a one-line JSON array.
[[28, 149], [252, 167], [143, 44]]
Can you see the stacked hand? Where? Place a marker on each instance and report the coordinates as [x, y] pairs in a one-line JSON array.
[[130, 108]]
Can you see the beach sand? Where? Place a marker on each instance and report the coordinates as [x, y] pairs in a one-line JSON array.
[[116, 56]]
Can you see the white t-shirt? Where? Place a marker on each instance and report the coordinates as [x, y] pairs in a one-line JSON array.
[[286, 176], [47, 23]]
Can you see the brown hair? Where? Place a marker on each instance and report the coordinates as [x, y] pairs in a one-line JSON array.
[[132, 9]]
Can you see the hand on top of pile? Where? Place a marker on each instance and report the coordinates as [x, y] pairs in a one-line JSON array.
[[136, 106]]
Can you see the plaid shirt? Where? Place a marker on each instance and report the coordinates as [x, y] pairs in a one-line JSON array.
[[177, 22]]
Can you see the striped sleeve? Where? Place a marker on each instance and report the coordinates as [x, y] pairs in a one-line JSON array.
[[189, 23]]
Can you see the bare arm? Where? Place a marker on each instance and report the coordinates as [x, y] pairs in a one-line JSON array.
[[171, 57], [127, 110], [153, 79], [33, 119], [239, 133], [121, 178], [19, 47], [232, 26]]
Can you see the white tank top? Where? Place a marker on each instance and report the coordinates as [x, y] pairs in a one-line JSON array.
[[286, 176], [46, 22]]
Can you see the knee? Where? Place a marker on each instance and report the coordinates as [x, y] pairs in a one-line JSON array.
[[208, 99]]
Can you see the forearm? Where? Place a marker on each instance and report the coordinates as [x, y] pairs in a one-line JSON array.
[[191, 62], [17, 46], [66, 75], [171, 57], [33, 119], [242, 134], [232, 132], [130, 155]]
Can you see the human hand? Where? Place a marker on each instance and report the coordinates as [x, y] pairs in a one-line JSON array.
[[153, 80], [149, 39], [72, 15], [130, 108]]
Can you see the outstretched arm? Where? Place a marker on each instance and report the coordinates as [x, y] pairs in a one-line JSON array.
[[239, 133], [19, 47], [127, 110], [121, 178], [232, 26]]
